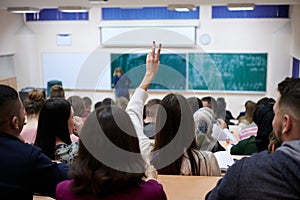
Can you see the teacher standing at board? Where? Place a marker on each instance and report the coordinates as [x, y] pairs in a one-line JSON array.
[[121, 83]]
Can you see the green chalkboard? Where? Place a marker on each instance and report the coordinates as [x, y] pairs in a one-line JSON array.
[[206, 71], [171, 74], [227, 71]]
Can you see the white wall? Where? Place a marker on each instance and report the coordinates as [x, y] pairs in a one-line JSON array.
[[295, 22], [228, 35], [10, 24]]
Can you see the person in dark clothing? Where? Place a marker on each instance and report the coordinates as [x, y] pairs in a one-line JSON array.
[[25, 170], [263, 117], [267, 175], [121, 83]]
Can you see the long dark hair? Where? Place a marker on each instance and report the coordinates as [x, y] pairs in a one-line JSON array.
[[109, 159], [175, 136], [53, 122]]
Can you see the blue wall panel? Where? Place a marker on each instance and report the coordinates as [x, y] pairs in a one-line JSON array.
[[146, 13], [55, 14], [295, 73], [260, 11]]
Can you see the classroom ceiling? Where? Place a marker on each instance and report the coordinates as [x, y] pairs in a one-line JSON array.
[[131, 3]]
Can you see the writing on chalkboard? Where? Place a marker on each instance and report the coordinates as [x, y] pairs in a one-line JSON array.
[[206, 71], [228, 71]]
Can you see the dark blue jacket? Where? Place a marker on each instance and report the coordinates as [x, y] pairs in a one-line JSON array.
[[25, 170], [263, 176]]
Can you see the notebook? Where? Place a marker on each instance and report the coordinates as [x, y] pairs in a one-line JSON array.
[[225, 160]]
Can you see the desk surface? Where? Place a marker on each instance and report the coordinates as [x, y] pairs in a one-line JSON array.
[[187, 187]]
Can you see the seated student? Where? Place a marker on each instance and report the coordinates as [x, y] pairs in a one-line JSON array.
[[268, 175], [97, 104], [220, 128], [195, 103], [263, 118], [57, 91], [88, 106], [204, 121], [248, 131], [175, 150], [247, 119], [54, 129], [108, 101], [25, 170], [181, 153], [149, 122], [78, 107], [109, 164], [33, 104], [209, 101], [264, 115], [122, 102], [77, 104], [222, 113]]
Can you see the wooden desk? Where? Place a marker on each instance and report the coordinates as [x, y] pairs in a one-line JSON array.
[[187, 187], [37, 197]]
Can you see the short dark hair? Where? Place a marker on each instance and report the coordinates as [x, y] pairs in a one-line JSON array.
[[8, 99], [289, 90], [90, 174], [211, 102], [57, 91], [87, 101]]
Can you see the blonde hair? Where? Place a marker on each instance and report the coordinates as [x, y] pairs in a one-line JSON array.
[[118, 71]]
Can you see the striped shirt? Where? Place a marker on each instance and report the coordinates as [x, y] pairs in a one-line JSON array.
[[248, 131]]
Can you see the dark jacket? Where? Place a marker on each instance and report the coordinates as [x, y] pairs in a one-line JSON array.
[[25, 170], [263, 176]]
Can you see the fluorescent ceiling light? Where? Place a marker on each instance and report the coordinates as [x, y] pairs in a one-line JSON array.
[[98, 1], [182, 7], [73, 9], [241, 6], [23, 10]]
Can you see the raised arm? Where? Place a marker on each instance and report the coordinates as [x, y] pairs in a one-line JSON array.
[[152, 64], [137, 101]]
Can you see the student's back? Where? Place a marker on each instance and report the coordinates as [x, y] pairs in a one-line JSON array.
[[275, 176], [268, 174], [24, 169], [175, 150]]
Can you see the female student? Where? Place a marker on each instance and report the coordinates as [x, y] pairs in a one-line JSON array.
[[175, 150], [33, 104], [54, 129], [121, 83], [109, 164], [175, 146]]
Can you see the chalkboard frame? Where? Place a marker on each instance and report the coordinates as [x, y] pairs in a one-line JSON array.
[[232, 72], [213, 81]]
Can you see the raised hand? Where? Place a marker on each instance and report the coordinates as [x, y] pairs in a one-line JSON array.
[[152, 65]]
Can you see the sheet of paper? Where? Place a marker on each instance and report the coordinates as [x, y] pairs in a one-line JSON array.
[[224, 159]]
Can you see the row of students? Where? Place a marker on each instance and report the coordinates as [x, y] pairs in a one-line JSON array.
[[115, 158]]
